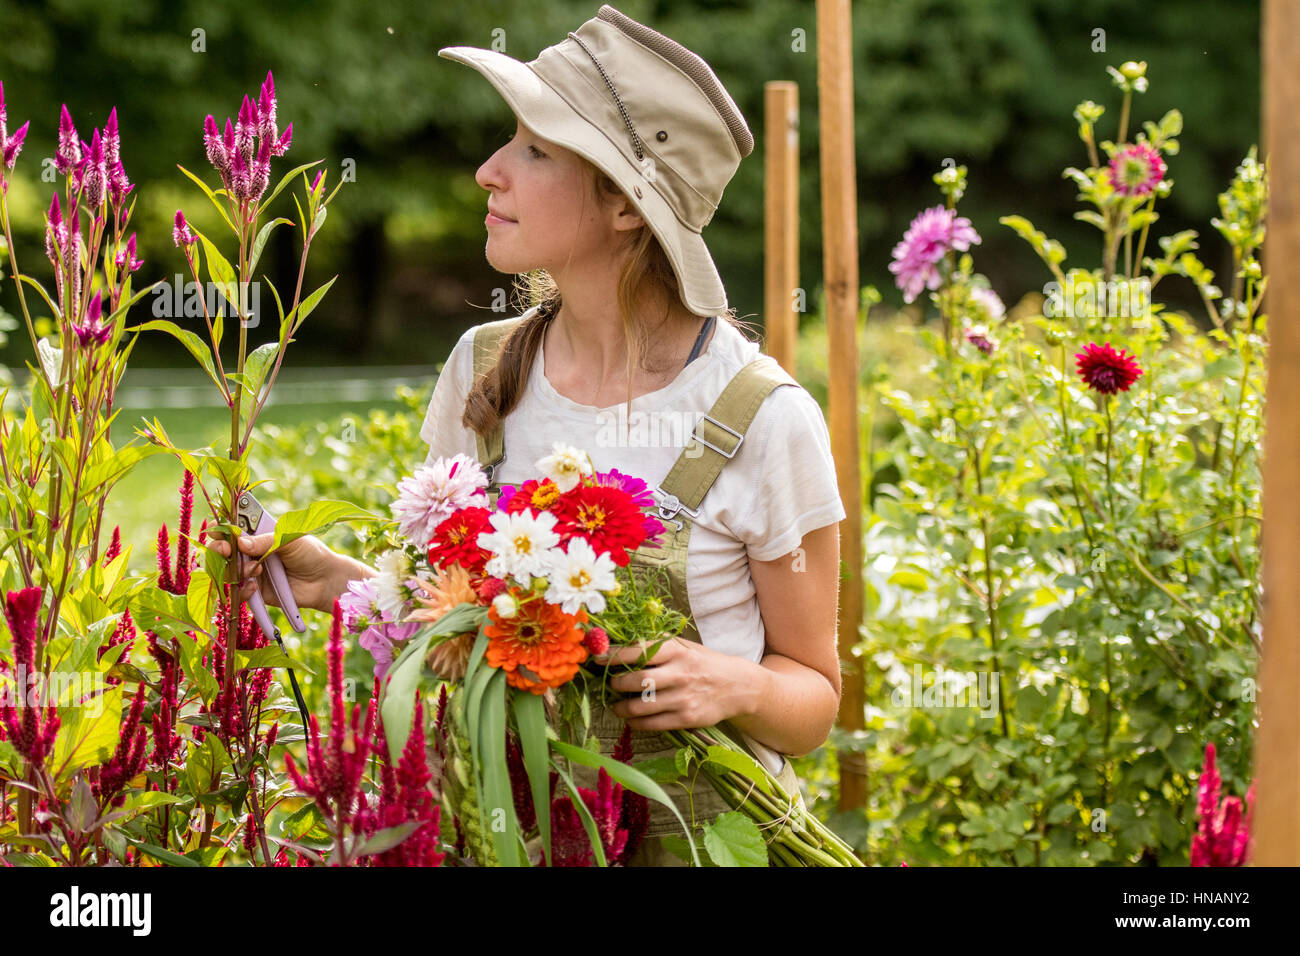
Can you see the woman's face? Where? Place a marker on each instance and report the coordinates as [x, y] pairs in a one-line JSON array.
[[542, 189]]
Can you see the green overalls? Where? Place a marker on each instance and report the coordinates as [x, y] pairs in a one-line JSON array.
[[716, 439]]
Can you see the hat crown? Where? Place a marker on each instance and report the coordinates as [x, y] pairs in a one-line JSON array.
[[659, 103]]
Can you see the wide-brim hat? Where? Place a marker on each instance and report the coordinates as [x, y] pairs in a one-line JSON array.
[[646, 111]]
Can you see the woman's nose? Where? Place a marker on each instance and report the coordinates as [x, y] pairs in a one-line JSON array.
[[489, 174]]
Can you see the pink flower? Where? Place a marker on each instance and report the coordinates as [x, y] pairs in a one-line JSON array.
[[978, 337], [596, 641], [182, 234], [931, 236], [1222, 838], [10, 146], [125, 259], [68, 155], [1136, 170], [95, 331], [1105, 370]]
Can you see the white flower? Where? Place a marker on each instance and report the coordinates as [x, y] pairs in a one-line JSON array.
[[505, 606], [519, 543], [565, 466], [434, 493], [391, 589], [989, 300], [579, 576]]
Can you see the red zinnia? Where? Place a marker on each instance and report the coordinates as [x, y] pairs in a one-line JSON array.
[[1106, 370], [455, 540], [534, 494], [606, 517]]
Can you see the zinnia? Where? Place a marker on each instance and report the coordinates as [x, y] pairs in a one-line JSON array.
[[539, 647], [930, 237], [455, 541], [1136, 170], [1105, 370], [605, 517]]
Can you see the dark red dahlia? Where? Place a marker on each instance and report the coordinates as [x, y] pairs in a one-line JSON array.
[[1105, 370]]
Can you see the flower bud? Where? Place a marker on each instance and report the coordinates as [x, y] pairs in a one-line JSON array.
[[1133, 70], [505, 606]]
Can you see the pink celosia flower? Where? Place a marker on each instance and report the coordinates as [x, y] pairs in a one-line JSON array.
[[930, 237], [978, 336], [1136, 169], [182, 234], [68, 155], [94, 331], [126, 260], [1105, 370], [10, 146], [1222, 838], [95, 183]]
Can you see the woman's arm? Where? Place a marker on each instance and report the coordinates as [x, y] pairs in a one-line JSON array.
[[788, 701]]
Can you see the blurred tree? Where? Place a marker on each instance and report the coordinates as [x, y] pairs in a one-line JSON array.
[[990, 84]]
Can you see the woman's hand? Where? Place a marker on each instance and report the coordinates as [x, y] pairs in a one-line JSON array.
[[685, 685], [309, 564]]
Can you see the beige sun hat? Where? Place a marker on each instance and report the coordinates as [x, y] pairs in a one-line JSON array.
[[649, 113]]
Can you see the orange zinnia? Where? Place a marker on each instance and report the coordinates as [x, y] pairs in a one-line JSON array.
[[540, 647]]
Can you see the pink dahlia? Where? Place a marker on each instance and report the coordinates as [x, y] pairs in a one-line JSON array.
[[1105, 370], [1136, 170], [928, 239]]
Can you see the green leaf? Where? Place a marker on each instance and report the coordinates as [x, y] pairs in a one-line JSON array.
[[530, 715], [733, 839], [167, 856], [208, 192], [497, 794], [270, 656], [285, 181], [742, 764], [260, 242], [310, 303], [87, 738], [388, 838], [315, 518], [197, 347]]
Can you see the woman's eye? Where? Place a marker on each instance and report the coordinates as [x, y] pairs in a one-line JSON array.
[[537, 152]]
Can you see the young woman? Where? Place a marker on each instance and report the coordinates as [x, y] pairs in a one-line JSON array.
[[623, 144]]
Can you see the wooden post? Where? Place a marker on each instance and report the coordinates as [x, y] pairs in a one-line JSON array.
[[840, 243], [782, 297], [1277, 748]]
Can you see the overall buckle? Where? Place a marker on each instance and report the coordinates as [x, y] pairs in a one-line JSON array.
[[708, 444]]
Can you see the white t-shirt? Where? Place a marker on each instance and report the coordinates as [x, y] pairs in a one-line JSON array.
[[779, 486]]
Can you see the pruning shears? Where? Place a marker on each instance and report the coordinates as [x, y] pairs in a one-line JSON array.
[[252, 518]]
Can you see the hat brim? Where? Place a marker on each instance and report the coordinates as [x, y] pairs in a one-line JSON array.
[[544, 111]]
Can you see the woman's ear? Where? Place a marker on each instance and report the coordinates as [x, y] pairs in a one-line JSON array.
[[625, 215]]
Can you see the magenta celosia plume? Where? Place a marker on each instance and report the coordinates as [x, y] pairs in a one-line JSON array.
[[1222, 836]]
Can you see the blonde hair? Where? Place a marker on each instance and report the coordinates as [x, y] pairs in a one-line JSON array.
[[646, 272]]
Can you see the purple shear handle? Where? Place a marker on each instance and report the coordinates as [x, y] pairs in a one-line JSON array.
[[254, 519]]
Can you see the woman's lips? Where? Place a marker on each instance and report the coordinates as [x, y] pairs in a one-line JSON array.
[[491, 220]]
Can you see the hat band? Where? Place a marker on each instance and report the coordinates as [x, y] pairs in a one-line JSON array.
[[575, 86], [636, 140]]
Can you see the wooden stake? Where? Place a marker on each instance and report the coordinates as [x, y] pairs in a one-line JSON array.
[[782, 298], [840, 242], [1277, 749]]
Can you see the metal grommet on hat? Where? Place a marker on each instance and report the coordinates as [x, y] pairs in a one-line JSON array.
[[591, 91]]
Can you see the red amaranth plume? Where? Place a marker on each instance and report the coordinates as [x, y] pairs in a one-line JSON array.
[[124, 633], [634, 816], [334, 771], [128, 759], [569, 843], [32, 735], [183, 537], [114, 546], [165, 582]]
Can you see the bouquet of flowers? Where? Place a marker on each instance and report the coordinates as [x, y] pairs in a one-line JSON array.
[[505, 606]]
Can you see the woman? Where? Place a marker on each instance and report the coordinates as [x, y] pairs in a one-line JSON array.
[[623, 145]]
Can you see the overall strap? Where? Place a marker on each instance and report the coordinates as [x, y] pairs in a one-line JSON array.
[[717, 437], [488, 339]]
